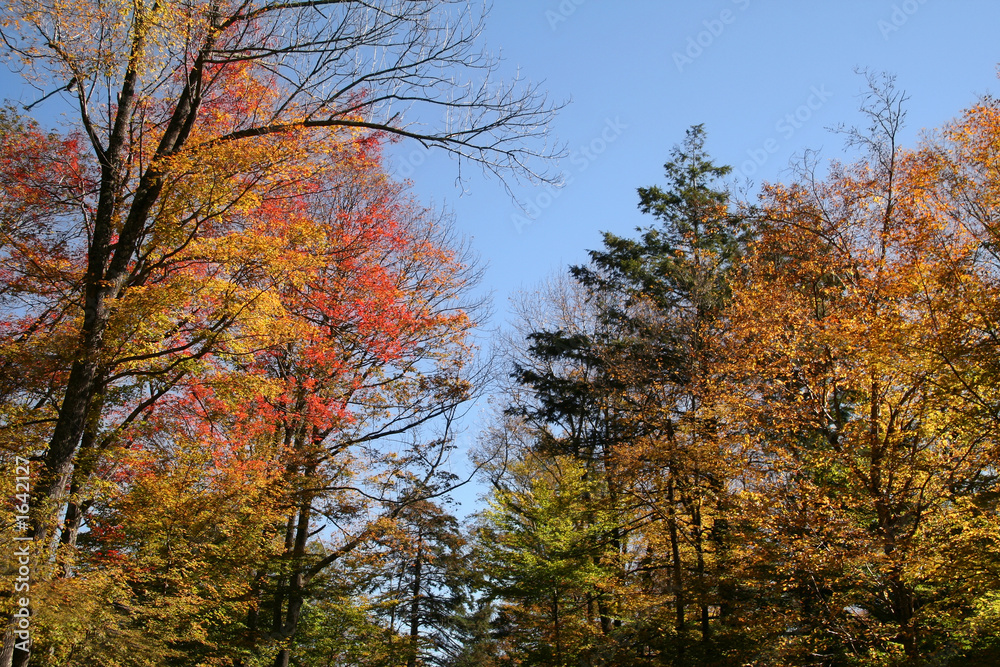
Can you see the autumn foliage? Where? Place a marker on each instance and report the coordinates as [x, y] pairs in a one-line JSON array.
[[796, 405], [234, 352], [288, 308]]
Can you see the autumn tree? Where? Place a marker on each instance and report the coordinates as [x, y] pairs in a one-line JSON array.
[[379, 347], [617, 375], [667, 292], [356, 335], [954, 171], [166, 565], [188, 88], [860, 422], [327, 315], [193, 113]]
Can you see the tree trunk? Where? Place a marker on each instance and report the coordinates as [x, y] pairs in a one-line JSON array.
[[677, 570], [21, 658], [699, 545], [290, 597], [555, 623], [7, 653], [411, 660], [902, 603]]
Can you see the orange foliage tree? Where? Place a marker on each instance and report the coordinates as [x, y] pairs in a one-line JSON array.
[[856, 398], [211, 106], [308, 327], [180, 237]]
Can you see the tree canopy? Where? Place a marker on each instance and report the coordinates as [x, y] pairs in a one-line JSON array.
[[236, 352]]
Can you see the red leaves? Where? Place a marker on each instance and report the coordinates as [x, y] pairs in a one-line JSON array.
[[282, 298], [43, 183]]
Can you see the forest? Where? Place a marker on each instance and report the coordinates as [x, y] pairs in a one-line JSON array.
[[236, 351]]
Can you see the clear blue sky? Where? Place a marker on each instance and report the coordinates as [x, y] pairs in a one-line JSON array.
[[637, 74]]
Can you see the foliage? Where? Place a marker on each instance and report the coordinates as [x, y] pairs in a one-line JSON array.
[[789, 414], [234, 353]]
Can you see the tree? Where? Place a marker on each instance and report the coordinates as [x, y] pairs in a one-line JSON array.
[[668, 292], [191, 85], [861, 428], [954, 169], [44, 181], [337, 322], [194, 112], [549, 560], [619, 377], [350, 330], [165, 570], [423, 586]]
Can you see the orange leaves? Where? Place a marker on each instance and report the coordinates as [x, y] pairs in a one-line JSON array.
[[855, 377]]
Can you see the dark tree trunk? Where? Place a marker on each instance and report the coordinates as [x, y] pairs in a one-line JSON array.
[[699, 545], [676, 569], [7, 652], [411, 660]]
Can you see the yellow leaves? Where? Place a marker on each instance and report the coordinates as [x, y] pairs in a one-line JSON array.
[[854, 369], [86, 38]]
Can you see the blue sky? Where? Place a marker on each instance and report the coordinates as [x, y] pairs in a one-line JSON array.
[[767, 78]]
